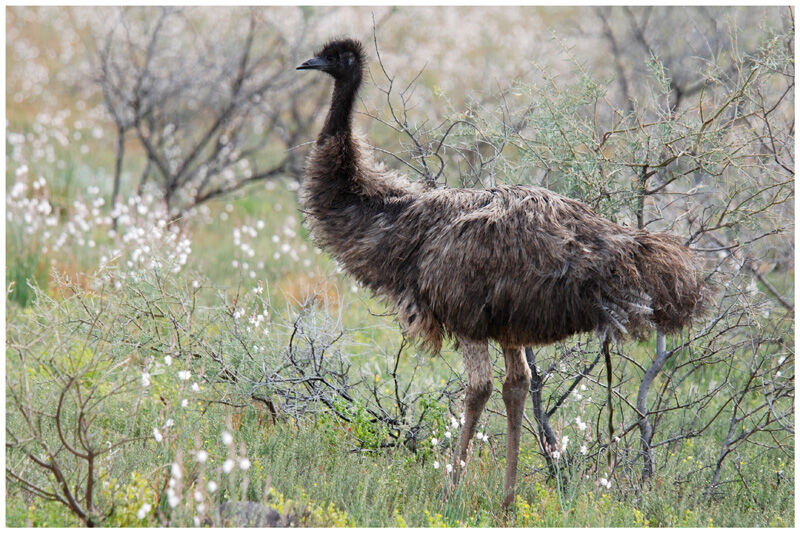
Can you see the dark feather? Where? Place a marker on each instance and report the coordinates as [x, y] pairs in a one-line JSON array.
[[521, 265]]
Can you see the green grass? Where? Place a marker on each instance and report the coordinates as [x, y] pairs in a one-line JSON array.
[[313, 462], [375, 489]]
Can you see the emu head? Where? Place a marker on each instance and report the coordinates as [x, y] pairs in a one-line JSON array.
[[343, 59]]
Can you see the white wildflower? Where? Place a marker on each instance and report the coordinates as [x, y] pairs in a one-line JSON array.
[[564, 442], [198, 496], [447, 434], [172, 498], [145, 379], [228, 465], [184, 402], [167, 360], [202, 456], [157, 435], [244, 463], [454, 422], [212, 486], [463, 464], [436, 465], [584, 450], [195, 387], [143, 510], [227, 438], [184, 375], [434, 441], [169, 423], [448, 467], [176, 471]]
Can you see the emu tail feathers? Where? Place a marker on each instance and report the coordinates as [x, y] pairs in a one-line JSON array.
[[671, 275]]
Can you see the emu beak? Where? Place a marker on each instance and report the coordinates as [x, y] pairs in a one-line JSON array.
[[315, 63]]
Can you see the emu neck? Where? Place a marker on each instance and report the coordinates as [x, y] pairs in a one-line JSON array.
[[339, 116]]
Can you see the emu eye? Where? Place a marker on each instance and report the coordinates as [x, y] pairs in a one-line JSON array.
[[330, 59]]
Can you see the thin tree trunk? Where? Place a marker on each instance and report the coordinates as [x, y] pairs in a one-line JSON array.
[[726, 448], [623, 80], [547, 437], [117, 172], [610, 390], [145, 177], [645, 428]]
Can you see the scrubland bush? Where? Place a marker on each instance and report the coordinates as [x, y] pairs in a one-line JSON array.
[[117, 377]]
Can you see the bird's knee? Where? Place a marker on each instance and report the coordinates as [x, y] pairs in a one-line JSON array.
[[515, 388], [478, 393]]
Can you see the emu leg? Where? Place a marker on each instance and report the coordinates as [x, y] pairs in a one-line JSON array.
[[479, 388], [515, 390]]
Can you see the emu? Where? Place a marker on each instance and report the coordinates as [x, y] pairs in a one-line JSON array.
[[519, 265]]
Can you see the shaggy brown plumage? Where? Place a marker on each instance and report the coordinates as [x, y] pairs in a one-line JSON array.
[[521, 265]]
